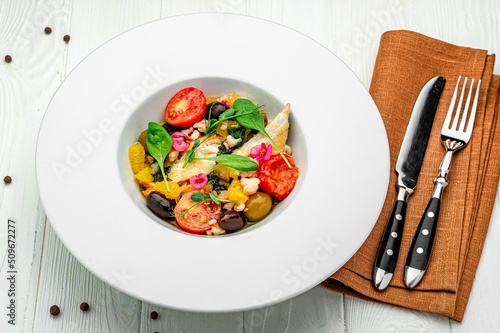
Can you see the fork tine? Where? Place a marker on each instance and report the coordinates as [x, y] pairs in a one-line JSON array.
[[447, 120], [474, 108], [459, 107], [466, 108]]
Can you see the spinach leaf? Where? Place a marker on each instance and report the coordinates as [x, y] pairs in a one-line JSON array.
[[233, 161], [248, 115], [159, 144]]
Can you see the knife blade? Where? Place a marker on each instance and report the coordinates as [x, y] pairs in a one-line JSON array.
[[409, 162]]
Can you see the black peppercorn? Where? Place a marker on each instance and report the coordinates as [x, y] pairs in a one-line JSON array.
[[84, 306], [54, 310]]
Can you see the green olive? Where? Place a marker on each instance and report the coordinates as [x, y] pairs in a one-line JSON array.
[[257, 206], [142, 140]]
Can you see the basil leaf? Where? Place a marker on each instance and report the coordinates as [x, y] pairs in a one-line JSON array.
[[233, 161], [159, 144], [198, 197], [214, 198]]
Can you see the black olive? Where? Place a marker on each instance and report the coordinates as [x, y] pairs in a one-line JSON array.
[[232, 220], [160, 205], [216, 109]]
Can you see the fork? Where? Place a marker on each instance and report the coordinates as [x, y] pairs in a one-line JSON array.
[[454, 136]]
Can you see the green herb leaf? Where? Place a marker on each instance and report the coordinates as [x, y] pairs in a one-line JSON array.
[[234, 161], [198, 197], [248, 115], [159, 144], [196, 144], [226, 114], [214, 198], [251, 118], [190, 154], [212, 127]]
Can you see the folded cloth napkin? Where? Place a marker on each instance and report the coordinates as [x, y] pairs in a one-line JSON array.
[[406, 61]]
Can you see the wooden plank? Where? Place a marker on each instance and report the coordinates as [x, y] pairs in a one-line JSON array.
[[180, 7], [181, 321], [358, 27], [66, 283], [109, 19], [363, 316], [26, 86], [318, 310], [63, 280]]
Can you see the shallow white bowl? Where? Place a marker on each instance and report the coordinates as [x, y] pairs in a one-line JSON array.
[[87, 187]]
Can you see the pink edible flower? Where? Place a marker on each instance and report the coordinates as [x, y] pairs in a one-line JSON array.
[[180, 141], [261, 153], [199, 181], [227, 104]]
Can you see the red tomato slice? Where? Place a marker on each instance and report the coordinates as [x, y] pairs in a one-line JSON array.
[[196, 219], [276, 178], [186, 108]]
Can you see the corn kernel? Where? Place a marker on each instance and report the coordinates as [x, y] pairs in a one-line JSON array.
[[137, 157]]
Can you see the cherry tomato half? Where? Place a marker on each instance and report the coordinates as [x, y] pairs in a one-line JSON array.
[[197, 218], [186, 108], [276, 178]]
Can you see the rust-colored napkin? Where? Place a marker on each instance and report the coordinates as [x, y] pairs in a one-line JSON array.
[[405, 62]]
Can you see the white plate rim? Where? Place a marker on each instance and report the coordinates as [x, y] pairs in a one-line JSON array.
[[51, 207]]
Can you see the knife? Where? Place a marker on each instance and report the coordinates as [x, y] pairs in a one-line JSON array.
[[411, 156]]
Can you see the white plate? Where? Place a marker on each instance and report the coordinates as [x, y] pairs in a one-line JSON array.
[[87, 187]]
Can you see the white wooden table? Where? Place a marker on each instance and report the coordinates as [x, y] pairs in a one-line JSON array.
[[48, 274]]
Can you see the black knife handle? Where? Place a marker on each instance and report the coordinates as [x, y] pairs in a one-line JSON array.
[[421, 246], [389, 247]]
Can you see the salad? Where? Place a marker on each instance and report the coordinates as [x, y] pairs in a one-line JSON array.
[[216, 165]]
